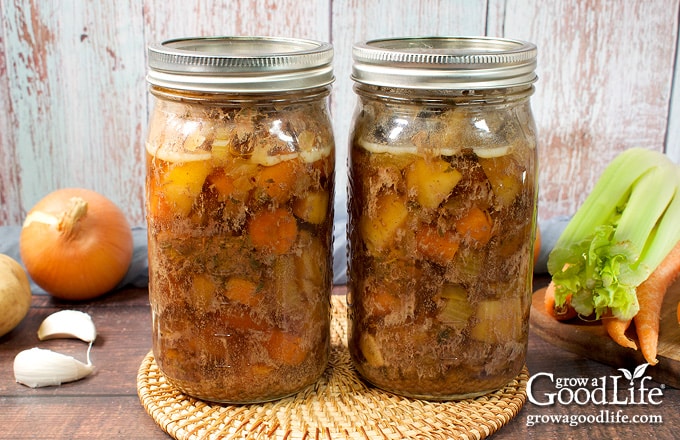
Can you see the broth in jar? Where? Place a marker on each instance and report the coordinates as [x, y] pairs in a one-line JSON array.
[[240, 212], [442, 214]]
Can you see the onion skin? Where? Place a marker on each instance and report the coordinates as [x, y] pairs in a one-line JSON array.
[[76, 244]]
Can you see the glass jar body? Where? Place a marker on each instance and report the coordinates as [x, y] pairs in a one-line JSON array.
[[442, 213], [240, 213]]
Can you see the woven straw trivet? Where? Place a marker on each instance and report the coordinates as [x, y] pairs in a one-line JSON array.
[[338, 405]]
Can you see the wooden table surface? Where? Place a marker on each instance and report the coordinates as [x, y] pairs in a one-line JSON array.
[[106, 406]]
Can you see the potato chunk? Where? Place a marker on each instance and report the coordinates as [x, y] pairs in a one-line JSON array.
[[183, 184], [379, 228], [432, 181], [498, 321], [312, 208], [504, 175]]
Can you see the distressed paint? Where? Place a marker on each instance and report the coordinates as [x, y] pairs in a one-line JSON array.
[[75, 105], [293, 18], [75, 82], [605, 78], [673, 132], [9, 165]]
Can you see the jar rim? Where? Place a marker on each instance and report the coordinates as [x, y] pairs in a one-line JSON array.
[[440, 62], [246, 64]]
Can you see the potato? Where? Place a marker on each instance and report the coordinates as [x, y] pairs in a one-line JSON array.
[[183, 184], [432, 181], [15, 294], [378, 229], [499, 321], [312, 208], [505, 176]]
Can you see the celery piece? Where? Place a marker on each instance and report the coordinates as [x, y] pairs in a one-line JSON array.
[[457, 310], [619, 235]]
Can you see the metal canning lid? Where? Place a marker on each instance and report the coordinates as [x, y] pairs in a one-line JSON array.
[[240, 64], [444, 62]]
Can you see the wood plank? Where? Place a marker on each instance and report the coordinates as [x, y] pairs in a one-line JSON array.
[[590, 339], [77, 417], [673, 133], [85, 411], [123, 339], [285, 18], [76, 101], [545, 357], [605, 73], [10, 207]]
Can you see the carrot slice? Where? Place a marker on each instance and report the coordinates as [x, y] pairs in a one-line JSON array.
[[476, 224], [223, 184], [277, 181], [436, 246], [273, 230], [242, 291], [286, 348], [384, 299]]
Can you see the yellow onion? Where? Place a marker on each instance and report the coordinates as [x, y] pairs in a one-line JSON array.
[[76, 244]]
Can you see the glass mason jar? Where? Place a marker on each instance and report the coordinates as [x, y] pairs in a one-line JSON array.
[[239, 191], [442, 212]]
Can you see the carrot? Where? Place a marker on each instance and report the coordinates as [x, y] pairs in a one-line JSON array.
[[475, 224], [384, 300], [223, 184], [563, 313], [273, 230], [650, 296], [616, 329], [242, 291], [436, 246], [286, 348], [277, 181], [159, 207], [202, 290]]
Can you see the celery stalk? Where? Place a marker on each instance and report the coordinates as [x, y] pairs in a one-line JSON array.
[[621, 233]]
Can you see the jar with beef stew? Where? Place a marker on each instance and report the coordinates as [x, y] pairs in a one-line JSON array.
[[442, 213], [239, 184]]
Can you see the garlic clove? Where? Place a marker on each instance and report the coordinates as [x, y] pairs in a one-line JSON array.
[[68, 324], [38, 367]]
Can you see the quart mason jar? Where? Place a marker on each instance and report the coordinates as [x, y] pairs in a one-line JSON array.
[[442, 211], [240, 180]]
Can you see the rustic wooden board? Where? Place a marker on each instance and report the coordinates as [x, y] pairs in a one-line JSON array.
[[589, 339]]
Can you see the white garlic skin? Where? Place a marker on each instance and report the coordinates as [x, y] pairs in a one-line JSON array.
[[38, 367]]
